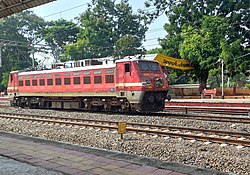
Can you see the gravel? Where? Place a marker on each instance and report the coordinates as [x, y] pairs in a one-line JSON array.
[[228, 158]]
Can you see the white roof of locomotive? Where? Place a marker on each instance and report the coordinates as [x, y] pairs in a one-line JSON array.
[[68, 69], [105, 66]]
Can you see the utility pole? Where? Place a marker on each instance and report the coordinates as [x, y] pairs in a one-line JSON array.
[[0, 55], [33, 57], [222, 79]]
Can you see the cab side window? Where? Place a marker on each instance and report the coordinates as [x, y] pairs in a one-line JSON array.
[[11, 77], [127, 68]]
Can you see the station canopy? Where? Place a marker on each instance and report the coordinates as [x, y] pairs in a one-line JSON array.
[[9, 7]]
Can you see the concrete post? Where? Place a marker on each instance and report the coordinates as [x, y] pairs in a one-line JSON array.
[[222, 79], [0, 55]]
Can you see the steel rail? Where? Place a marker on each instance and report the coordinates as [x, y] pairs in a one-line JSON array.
[[58, 122], [162, 127], [244, 120], [196, 137], [145, 130]]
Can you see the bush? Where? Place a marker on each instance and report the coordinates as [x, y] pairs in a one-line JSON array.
[[247, 85]]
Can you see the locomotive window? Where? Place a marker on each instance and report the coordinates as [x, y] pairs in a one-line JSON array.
[[49, 75], [34, 76], [66, 81], [148, 66], [34, 82], [97, 79], [58, 81], [154, 67], [20, 83], [109, 78], [42, 82], [66, 74], [27, 82], [76, 73], [86, 73], [76, 80], [58, 75], [86, 80], [11, 77], [28, 77], [97, 72], [127, 67], [50, 82], [109, 71]]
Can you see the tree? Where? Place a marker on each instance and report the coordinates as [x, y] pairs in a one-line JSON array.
[[154, 51], [202, 46], [187, 25], [57, 34], [19, 28], [108, 29]]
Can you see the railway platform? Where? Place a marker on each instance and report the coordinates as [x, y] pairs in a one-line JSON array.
[[21, 154], [210, 102], [230, 106]]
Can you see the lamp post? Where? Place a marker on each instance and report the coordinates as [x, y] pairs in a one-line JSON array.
[[222, 80]]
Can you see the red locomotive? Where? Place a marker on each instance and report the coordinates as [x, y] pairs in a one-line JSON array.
[[125, 85]]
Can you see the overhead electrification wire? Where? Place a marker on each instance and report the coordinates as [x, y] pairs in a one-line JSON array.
[[72, 8]]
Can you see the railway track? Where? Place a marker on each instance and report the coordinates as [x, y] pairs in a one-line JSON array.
[[205, 107], [229, 119], [195, 134]]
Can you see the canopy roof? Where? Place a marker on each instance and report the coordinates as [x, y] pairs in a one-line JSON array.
[[9, 7]]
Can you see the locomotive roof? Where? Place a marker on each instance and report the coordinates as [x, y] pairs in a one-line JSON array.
[[82, 68], [68, 69]]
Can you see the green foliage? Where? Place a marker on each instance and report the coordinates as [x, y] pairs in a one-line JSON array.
[[5, 79], [108, 29], [154, 51], [125, 46], [204, 31], [247, 85], [21, 27], [58, 34]]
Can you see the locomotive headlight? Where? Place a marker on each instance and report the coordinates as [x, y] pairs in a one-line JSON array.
[[146, 83], [159, 82]]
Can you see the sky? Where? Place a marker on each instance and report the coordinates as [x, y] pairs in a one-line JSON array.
[[69, 9]]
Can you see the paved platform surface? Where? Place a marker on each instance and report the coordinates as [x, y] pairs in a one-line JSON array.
[[27, 155], [212, 100], [12, 167]]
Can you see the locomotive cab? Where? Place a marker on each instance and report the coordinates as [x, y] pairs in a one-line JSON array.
[[142, 83], [155, 86]]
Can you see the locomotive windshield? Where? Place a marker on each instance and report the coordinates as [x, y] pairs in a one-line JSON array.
[[148, 66]]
